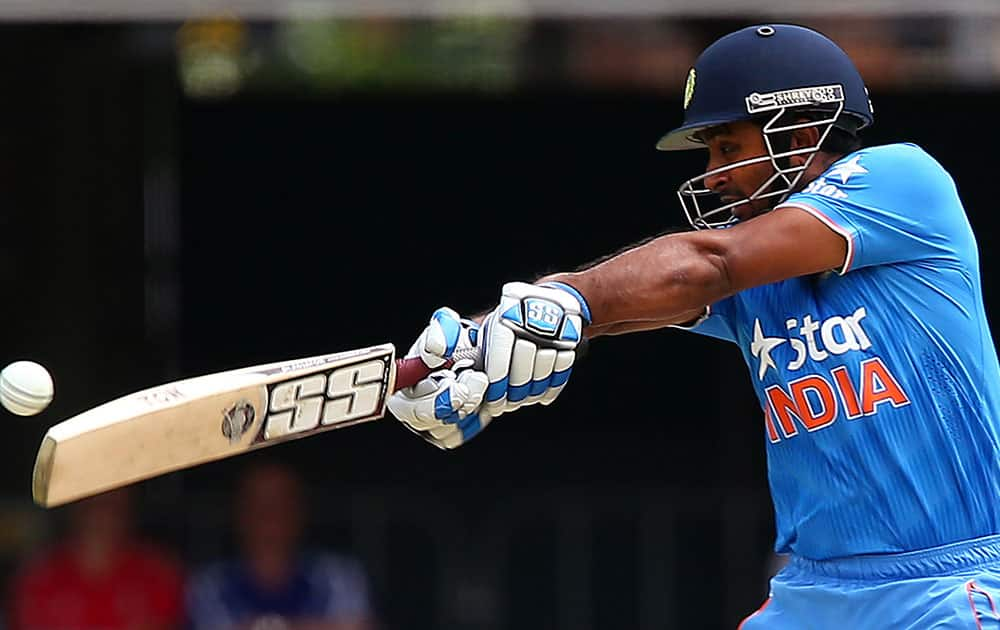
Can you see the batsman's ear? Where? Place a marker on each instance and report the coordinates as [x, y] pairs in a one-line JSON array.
[[805, 137]]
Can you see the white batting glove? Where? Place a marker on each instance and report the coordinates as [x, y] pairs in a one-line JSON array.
[[444, 407], [529, 342]]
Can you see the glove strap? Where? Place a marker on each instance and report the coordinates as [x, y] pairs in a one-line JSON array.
[[584, 307]]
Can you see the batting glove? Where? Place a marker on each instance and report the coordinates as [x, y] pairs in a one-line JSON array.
[[529, 344], [444, 407]]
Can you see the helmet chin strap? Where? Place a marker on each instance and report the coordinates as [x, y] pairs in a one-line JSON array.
[[779, 185]]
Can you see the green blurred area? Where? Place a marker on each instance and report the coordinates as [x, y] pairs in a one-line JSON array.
[[497, 53], [221, 57]]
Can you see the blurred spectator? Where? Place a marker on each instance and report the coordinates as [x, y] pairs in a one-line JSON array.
[[275, 584], [98, 576]]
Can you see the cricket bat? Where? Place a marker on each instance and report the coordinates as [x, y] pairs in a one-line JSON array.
[[189, 422]]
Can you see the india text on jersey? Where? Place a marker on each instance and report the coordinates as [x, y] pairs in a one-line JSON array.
[[815, 401]]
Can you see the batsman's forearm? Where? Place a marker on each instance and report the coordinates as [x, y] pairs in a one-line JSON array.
[[621, 328], [665, 281]]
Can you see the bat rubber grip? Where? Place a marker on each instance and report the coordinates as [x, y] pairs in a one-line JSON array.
[[411, 371]]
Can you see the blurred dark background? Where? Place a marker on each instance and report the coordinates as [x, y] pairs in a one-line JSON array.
[[184, 198]]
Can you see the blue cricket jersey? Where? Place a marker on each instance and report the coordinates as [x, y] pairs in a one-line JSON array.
[[879, 385], [322, 587]]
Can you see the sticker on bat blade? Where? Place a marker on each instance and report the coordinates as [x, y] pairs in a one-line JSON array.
[[323, 400], [237, 420]]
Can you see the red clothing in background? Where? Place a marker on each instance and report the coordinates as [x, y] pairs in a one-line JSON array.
[[141, 589]]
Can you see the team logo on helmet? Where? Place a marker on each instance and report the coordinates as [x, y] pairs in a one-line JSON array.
[[689, 88]]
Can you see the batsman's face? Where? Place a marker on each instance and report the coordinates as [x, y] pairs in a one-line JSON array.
[[731, 143]]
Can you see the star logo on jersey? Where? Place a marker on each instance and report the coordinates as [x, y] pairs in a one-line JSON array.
[[761, 349], [847, 169]]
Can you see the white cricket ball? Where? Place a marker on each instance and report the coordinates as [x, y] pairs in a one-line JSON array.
[[25, 388]]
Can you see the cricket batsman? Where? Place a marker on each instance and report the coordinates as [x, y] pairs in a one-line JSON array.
[[849, 278]]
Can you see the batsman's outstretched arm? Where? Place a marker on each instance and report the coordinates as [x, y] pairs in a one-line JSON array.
[[527, 344], [673, 278]]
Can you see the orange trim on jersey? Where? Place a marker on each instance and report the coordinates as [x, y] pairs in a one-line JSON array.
[[970, 588], [754, 613], [833, 225]]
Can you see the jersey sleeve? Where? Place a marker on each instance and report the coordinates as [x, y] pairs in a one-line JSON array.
[[892, 204], [716, 322]]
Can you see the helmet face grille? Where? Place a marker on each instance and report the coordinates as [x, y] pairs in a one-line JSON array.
[[695, 197]]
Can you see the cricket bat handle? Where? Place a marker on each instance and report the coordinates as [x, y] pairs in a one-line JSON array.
[[411, 371]]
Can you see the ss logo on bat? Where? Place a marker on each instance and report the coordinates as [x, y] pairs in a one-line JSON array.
[[325, 399]]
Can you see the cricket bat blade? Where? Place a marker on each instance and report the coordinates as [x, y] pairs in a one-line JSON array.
[[197, 420]]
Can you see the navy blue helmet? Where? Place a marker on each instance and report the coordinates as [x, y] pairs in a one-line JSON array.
[[762, 72]]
